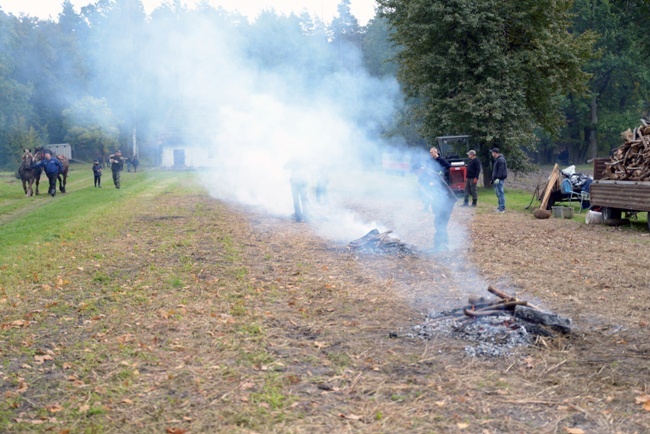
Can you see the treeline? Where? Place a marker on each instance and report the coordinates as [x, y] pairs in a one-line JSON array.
[[110, 75], [536, 76]]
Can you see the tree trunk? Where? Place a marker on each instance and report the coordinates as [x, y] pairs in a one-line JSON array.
[[593, 144]]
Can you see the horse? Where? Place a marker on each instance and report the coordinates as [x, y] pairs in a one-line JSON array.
[[39, 154], [28, 175]]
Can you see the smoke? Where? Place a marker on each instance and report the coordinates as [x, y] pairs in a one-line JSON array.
[[249, 117]]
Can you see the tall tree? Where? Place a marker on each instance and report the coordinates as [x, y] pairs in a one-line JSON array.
[[494, 69], [378, 51], [346, 35], [619, 80]]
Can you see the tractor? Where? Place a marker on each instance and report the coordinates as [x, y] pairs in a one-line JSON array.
[[451, 147]]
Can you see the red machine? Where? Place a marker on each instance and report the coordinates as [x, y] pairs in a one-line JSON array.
[[449, 147]]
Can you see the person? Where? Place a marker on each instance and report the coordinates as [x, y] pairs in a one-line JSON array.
[[135, 163], [499, 175], [473, 172], [441, 163], [97, 172], [128, 164], [322, 181], [117, 165], [52, 167], [441, 200], [299, 180]]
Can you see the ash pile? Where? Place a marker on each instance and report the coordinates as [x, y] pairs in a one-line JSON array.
[[375, 243], [495, 326]]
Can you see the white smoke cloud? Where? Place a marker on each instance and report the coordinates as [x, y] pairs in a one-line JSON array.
[[255, 120]]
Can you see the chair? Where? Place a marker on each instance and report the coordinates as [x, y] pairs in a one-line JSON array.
[[584, 197], [567, 189]]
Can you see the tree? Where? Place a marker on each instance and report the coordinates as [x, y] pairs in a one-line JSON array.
[[619, 81], [346, 35], [493, 69], [378, 51], [91, 128]]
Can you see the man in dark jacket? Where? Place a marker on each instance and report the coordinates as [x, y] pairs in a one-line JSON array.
[[439, 197], [499, 175], [52, 167], [473, 171], [97, 173], [117, 165]]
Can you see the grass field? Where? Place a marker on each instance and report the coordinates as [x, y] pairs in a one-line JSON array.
[[154, 308]]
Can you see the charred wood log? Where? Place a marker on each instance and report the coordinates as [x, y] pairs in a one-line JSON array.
[[552, 320]]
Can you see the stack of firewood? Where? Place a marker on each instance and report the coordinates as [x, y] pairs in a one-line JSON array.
[[631, 161]]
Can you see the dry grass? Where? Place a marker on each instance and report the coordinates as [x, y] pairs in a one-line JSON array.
[[190, 316]]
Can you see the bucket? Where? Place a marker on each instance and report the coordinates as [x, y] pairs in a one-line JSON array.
[[567, 212], [594, 218], [557, 211]]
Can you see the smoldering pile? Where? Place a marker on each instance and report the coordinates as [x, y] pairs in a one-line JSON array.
[[496, 326], [375, 242]]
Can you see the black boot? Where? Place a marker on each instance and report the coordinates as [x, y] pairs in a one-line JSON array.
[[473, 202], [465, 202]]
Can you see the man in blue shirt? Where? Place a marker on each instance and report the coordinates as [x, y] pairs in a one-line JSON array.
[[52, 167]]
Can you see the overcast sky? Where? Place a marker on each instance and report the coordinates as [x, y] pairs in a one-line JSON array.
[[363, 10]]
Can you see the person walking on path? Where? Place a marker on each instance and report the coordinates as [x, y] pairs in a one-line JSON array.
[[473, 171], [97, 172], [499, 175], [52, 167], [135, 163], [117, 165]]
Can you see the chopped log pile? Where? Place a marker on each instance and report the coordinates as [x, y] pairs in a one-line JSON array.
[[376, 242], [631, 161]]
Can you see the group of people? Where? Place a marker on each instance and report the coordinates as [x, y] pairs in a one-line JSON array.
[[116, 160], [438, 197]]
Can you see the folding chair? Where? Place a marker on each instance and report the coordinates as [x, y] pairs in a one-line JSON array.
[[584, 197], [567, 189]]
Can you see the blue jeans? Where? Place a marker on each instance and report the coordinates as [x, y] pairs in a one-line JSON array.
[[501, 197]]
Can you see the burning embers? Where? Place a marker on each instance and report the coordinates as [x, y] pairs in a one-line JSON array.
[[496, 325], [376, 242]]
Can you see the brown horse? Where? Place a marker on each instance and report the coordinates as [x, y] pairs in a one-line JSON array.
[[28, 175], [39, 154]]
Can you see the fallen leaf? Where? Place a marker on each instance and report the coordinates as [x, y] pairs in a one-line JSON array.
[[67, 365], [462, 425], [574, 430], [642, 399], [127, 401], [350, 416], [646, 406], [320, 345], [39, 360], [54, 408], [176, 431], [84, 408], [440, 403]]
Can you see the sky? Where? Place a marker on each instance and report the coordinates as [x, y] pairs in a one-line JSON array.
[[363, 10]]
